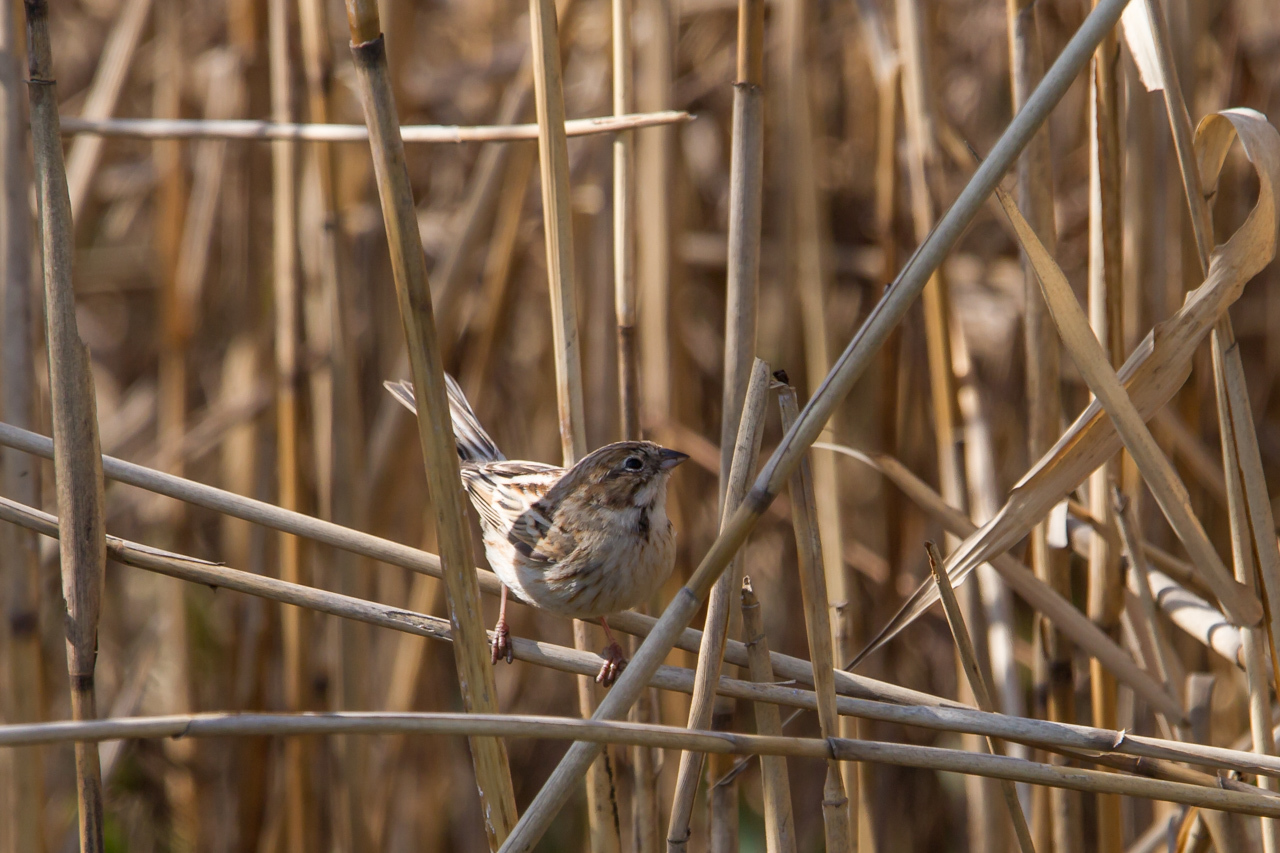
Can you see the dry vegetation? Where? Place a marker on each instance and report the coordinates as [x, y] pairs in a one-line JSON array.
[[215, 304]]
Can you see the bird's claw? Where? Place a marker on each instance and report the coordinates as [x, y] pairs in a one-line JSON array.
[[614, 663], [501, 646]]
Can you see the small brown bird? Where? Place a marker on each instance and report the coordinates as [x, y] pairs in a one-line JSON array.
[[583, 542]]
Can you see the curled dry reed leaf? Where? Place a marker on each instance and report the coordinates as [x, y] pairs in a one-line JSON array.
[[1155, 370]]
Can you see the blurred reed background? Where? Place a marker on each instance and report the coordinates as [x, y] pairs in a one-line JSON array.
[[237, 303]]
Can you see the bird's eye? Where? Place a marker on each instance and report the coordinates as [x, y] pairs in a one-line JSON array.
[[633, 463]]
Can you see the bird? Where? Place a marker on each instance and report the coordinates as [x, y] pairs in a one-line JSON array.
[[585, 541]]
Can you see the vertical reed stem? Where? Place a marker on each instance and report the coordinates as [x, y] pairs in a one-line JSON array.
[[624, 225], [813, 590], [471, 645], [294, 622], [1044, 399], [20, 471], [77, 463], [779, 824], [558, 227], [715, 633], [746, 167]]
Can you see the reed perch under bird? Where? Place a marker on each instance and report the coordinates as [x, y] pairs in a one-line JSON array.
[[585, 542]]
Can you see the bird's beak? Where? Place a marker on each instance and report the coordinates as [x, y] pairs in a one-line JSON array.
[[671, 458]]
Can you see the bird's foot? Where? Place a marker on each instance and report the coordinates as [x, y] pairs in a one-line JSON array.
[[501, 646], [614, 663]]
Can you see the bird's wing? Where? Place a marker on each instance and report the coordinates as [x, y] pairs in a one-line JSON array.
[[509, 499]]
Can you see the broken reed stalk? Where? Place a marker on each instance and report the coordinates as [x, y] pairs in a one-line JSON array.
[[969, 662], [746, 188], [295, 623], [553, 159], [624, 224], [77, 463], [108, 81], [779, 823], [888, 703], [715, 632], [604, 732], [1105, 294], [21, 477], [412, 134], [813, 590], [1168, 489], [471, 650], [1064, 615]]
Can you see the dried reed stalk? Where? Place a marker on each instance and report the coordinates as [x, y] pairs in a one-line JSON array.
[[1248, 501], [471, 651], [742, 296], [77, 463], [396, 554], [645, 820], [1170, 493], [779, 824], [604, 732], [1044, 398], [482, 195], [21, 478], [335, 417], [1105, 282], [250, 129], [655, 154], [1254, 639], [969, 661], [715, 632], [813, 590], [808, 242], [887, 706], [553, 157], [295, 624], [746, 188], [104, 92], [1155, 369], [1056, 609], [1127, 525], [624, 223]]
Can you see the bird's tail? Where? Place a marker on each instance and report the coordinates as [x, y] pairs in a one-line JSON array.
[[474, 444]]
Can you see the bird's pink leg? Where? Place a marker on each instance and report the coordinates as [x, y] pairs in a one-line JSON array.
[[501, 635], [614, 659]]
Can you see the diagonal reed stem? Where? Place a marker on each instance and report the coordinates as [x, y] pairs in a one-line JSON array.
[[471, 651], [969, 661]]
